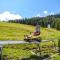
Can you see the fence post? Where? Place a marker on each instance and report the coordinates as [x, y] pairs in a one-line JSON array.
[[1, 53]]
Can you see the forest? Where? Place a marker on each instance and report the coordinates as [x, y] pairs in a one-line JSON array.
[[53, 20]]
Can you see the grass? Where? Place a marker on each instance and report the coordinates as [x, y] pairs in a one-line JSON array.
[[14, 31], [16, 53], [57, 57]]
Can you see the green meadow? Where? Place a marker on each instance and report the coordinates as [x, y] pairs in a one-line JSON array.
[[16, 31]]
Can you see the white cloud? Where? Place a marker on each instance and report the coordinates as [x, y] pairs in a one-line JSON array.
[[45, 12], [5, 16]]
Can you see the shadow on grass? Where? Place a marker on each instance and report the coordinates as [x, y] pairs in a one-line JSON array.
[[34, 57]]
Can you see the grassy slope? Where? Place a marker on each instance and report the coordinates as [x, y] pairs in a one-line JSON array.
[[13, 31], [57, 57]]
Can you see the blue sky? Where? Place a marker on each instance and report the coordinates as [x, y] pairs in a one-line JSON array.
[[30, 8]]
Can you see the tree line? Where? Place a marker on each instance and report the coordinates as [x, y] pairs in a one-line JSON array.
[[53, 20]]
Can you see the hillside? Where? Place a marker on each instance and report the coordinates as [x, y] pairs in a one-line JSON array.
[[15, 31], [12, 31]]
